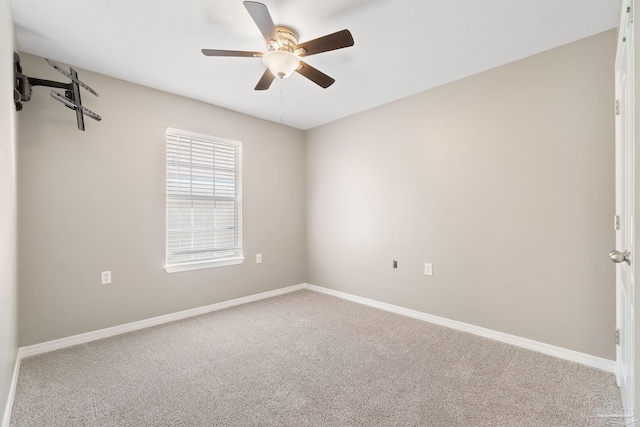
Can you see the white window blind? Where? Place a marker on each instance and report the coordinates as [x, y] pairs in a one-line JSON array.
[[203, 201]]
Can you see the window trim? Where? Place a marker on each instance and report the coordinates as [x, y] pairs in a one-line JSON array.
[[199, 265], [210, 263]]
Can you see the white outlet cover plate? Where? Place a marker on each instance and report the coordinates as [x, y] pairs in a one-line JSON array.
[[428, 269], [106, 277]]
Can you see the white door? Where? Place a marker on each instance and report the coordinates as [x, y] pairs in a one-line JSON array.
[[625, 165]]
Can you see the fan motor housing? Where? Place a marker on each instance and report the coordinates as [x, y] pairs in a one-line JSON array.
[[288, 39]]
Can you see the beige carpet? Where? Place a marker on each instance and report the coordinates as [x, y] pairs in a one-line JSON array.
[[307, 359]]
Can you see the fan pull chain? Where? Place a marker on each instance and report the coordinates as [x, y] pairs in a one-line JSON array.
[[281, 83]]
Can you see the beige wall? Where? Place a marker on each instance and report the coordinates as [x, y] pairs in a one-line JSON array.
[[94, 201], [503, 180], [8, 206]]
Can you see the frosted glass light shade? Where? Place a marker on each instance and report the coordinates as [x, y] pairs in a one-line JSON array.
[[281, 63]]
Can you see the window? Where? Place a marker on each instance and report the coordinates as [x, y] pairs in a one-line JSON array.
[[203, 201]]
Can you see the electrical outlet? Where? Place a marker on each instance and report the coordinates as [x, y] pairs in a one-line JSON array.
[[258, 258], [428, 269], [106, 277]]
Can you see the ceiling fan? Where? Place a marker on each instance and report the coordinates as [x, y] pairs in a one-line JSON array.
[[284, 52]]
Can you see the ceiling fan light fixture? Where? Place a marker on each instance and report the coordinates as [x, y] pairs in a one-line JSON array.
[[281, 63], [283, 51]]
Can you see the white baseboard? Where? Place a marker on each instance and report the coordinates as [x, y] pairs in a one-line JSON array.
[[45, 347], [6, 419], [551, 350], [562, 353]]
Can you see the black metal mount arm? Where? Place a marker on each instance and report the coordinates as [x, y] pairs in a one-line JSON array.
[[71, 99]]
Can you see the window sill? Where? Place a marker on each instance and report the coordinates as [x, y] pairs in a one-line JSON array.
[[176, 268]]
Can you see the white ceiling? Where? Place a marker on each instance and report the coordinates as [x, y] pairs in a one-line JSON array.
[[401, 47]]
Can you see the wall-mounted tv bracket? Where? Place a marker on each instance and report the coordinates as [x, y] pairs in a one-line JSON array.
[[71, 98]]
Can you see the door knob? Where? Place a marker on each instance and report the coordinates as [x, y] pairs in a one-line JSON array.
[[618, 257]]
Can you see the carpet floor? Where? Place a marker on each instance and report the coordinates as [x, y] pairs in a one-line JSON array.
[[308, 359]]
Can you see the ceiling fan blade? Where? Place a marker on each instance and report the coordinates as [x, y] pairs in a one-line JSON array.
[[315, 75], [329, 42], [218, 52], [265, 80], [262, 18]]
